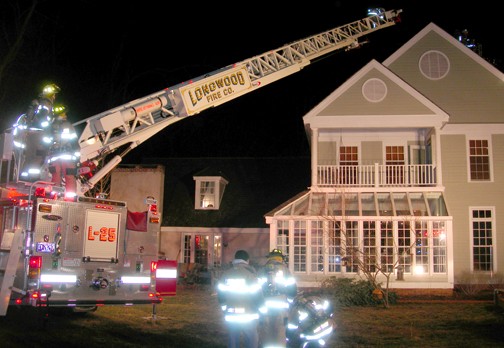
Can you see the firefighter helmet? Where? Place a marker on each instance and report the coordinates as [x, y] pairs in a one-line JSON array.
[[276, 254], [60, 111], [50, 90]]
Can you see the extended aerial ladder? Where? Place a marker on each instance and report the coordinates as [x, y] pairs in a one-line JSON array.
[[130, 124]]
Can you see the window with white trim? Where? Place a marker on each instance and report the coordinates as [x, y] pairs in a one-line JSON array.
[[282, 240], [439, 257], [387, 246], [317, 246], [348, 161], [404, 246], [369, 246], [482, 224], [374, 90], [209, 192], [334, 250], [202, 248], [479, 160], [300, 246], [434, 65], [395, 159], [351, 246], [421, 250]]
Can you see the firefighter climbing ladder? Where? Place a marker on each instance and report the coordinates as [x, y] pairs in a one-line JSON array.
[[11, 244]]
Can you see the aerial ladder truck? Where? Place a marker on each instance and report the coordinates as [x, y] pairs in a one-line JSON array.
[[81, 254]]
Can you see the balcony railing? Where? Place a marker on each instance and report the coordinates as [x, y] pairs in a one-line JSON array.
[[376, 175]]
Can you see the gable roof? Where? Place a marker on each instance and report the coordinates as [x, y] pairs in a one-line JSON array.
[[431, 27], [347, 107], [469, 77], [256, 186]]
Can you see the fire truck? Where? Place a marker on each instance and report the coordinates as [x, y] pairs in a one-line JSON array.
[[92, 251]]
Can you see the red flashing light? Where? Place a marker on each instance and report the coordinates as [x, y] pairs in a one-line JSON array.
[[99, 206], [153, 208], [40, 192], [153, 266], [35, 295], [35, 262]]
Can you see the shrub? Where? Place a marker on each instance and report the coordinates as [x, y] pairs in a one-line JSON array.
[[349, 292]]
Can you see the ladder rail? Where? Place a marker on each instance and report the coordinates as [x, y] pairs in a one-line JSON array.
[[10, 255]]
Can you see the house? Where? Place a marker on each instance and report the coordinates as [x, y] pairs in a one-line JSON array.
[[406, 173], [404, 176]]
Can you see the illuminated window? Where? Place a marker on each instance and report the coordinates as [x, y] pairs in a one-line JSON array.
[[439, 257], [202, 248], [209, 192], [479, 160], [349, 162], [421, 250], [395, 162]]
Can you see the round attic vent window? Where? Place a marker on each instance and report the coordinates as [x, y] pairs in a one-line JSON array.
[[434, 65], [374, 90]]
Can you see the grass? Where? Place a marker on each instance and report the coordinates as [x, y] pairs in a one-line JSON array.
[[192, 319]]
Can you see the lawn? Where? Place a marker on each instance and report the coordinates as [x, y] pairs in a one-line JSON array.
[[192, 319]]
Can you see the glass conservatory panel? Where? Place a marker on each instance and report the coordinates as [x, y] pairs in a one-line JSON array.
[[401, 203], [384, 204], [368, 204], [301, 206], [418, 204], [351, 204], [334, 205], [436, 204], [318, 204]]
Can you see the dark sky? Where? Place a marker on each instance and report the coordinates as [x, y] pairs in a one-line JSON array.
[[105, 53]]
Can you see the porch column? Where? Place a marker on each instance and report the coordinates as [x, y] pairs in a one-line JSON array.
[[437, 150], [314, 157]]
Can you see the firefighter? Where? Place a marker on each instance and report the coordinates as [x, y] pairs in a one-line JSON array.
[[29, 131], [279, 290], [63, 153], [240, 296]]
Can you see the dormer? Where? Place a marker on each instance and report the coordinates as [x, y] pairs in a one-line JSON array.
[[209, 190]]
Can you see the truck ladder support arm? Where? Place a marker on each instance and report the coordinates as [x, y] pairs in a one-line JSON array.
[[138, 120]]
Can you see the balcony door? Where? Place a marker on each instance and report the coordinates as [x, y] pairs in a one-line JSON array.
[[395, 161]]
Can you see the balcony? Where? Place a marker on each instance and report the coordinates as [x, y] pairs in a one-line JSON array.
[[377, 175]]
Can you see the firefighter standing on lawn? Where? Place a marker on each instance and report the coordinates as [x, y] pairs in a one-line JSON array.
[[240, 296], [279, 289]]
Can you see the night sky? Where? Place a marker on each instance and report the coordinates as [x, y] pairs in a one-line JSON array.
[[106, 53]]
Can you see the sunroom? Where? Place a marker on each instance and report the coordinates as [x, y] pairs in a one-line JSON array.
[[405, 235]]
